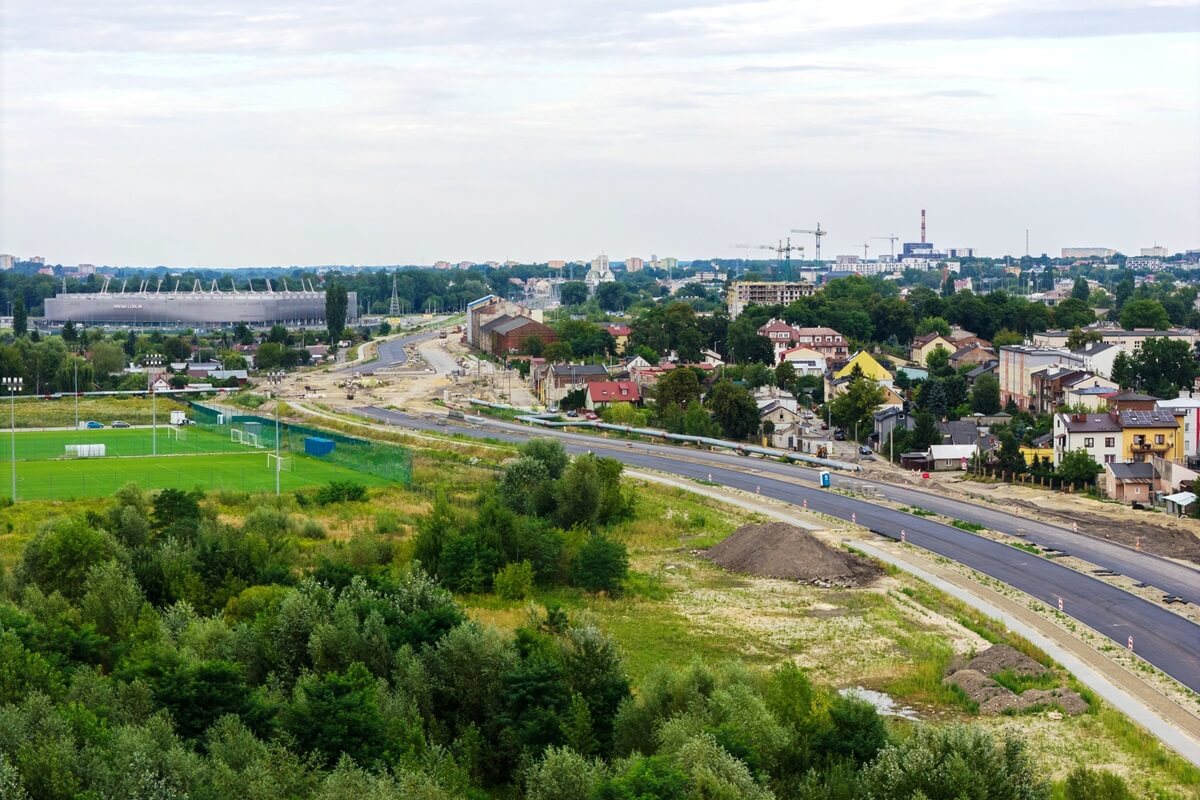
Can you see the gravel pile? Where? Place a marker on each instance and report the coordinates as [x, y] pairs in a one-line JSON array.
[[779, 550], [976, 679]]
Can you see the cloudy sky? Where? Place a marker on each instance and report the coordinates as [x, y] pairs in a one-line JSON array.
[[236, 132]]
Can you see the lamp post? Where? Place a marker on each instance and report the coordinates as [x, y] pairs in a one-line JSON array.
[[76, 362], [13, 385], [275, 378], [151, 361]]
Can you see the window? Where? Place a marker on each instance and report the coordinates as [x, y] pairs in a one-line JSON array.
[[1088, 441], [1110, 441], [1158, 439], [1109, 458]]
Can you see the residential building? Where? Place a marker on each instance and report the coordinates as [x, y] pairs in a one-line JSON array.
[[1099, 434], [988, 368], [552, 382], [7, 261], [1052, 384], [599, 273], [556, 263], [1190, 408], [765, 293], [773, 395], [1157, 432], [1129, 482], [1128, 341], [887, 420], [634, 264], [441, 265], [942, 457], [972, 355], [1157, 251], [487, 308], [826, 341], [669, 264], [83, 270], [804, 360], [836, 381], [1143, 262], [922, 346], [1018, 363], [1088, 252], [620, 333], [601, 394], [1131, 401], [1093, 398]]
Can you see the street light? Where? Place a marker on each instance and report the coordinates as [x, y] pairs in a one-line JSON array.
[[13, 385], [151, 361], [275, 378]]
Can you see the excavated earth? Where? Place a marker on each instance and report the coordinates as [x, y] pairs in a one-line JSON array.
[[779, 550], [976, 678]]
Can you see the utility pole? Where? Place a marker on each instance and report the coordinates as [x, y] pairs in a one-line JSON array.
[[275, 378], [153, 360], [13, 385]]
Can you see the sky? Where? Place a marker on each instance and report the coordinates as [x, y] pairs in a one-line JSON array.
[[239, 133]]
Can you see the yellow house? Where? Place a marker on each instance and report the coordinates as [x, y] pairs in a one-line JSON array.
[[1034, 454], [922, 346], [1156, 432], [835, 383], [870, 368]]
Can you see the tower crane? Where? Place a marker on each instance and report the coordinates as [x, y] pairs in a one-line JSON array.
[[817, 234], [783, 250], [892, 239], [865, 246]]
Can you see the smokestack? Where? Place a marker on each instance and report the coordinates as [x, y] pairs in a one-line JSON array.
[[922, 226]]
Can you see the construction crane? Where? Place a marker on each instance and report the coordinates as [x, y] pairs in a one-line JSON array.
[[783, 250], [865, 246], [816, 234], [892, 239]]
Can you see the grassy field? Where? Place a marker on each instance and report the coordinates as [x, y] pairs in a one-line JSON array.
[[167, 458], [58, 413]]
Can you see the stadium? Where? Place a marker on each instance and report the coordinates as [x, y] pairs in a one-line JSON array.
[[194, 308]]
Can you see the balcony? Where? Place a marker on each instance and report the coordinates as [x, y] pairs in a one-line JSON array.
[[1150, 447]]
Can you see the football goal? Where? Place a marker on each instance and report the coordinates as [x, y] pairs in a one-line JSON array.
[[280, 463], [244, 437], [178, 434]]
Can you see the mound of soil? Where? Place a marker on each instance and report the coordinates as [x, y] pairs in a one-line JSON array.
[[975, 679], [779, 550], [1001, 657]]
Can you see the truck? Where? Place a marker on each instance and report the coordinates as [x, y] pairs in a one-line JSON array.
[[180, 418]]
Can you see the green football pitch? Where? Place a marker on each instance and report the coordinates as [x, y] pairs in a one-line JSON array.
[[202, 458]]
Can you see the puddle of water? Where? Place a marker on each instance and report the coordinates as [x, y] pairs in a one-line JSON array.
[[883, 703]]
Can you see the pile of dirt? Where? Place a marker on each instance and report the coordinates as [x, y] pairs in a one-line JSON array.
[[779, 550], [976, 679]]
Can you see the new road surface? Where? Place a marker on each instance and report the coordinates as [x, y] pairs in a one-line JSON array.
[[1165, 639], [391, 354]]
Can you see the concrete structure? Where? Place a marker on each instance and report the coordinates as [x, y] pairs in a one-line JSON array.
[[1158, 251], [1051, 386], [825, 341], [1128, 341], [487, 308], [765, 293], [634, 264], [556, 263], [508, 335], [599, 273], [197, 308], [7, 261], [1088, 252]]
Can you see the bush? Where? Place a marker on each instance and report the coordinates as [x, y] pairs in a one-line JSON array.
[[1095, 784], [311, 529], [387, 522], [600, 565], [341, 492], [59, 558], [514, 581]]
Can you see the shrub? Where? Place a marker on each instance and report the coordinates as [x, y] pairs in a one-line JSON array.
[[311, 529], [387, 522], [600, 565], [341, 492], [514, 581], [64, 551], [1095, 784]]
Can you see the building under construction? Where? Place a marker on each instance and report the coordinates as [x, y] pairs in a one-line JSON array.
[[196, 307]]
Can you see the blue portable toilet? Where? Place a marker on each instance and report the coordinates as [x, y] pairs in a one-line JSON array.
[[317, 446], [825, 482]]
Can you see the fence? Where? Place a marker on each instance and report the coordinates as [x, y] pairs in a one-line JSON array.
[[387, 461]]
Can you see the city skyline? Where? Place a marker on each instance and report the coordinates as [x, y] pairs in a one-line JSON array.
[[138, 134]]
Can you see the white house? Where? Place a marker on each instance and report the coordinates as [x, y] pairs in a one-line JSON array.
[[1098, 434], [804, 360]]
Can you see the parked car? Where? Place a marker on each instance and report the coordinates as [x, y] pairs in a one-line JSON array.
[[863, 450], [93, 425], [121, 424], [592, 415], [840, 435], [572, 413]]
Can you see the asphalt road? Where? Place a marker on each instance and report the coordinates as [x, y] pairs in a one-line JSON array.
[[391, 354], [1166, 640]]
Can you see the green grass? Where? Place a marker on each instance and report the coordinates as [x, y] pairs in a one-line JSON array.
[[99, 477], [47, 445], [1028, 548], [962, 524], [1019, 683]]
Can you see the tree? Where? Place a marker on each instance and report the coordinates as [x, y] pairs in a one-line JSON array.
[[1144, 314], [925, 432], [745, 344], [600, 565], [107, 358], [558, 352], [938, 362], [955, 761], [680, 387], [1073, 313], [336, 303], [20, 318], [549, 452], [930, 325], [612, 296], [853, 409], [1163, 366], [573, 293], [734, 409], [785, 375], [985, 394], [1078, 466], [1124, 371], [63, 552], [337, 713], [1081, 290], [1077, 339], [1006, 337], [69, 332]]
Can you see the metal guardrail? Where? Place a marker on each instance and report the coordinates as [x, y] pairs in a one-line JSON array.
[[549, 421]]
